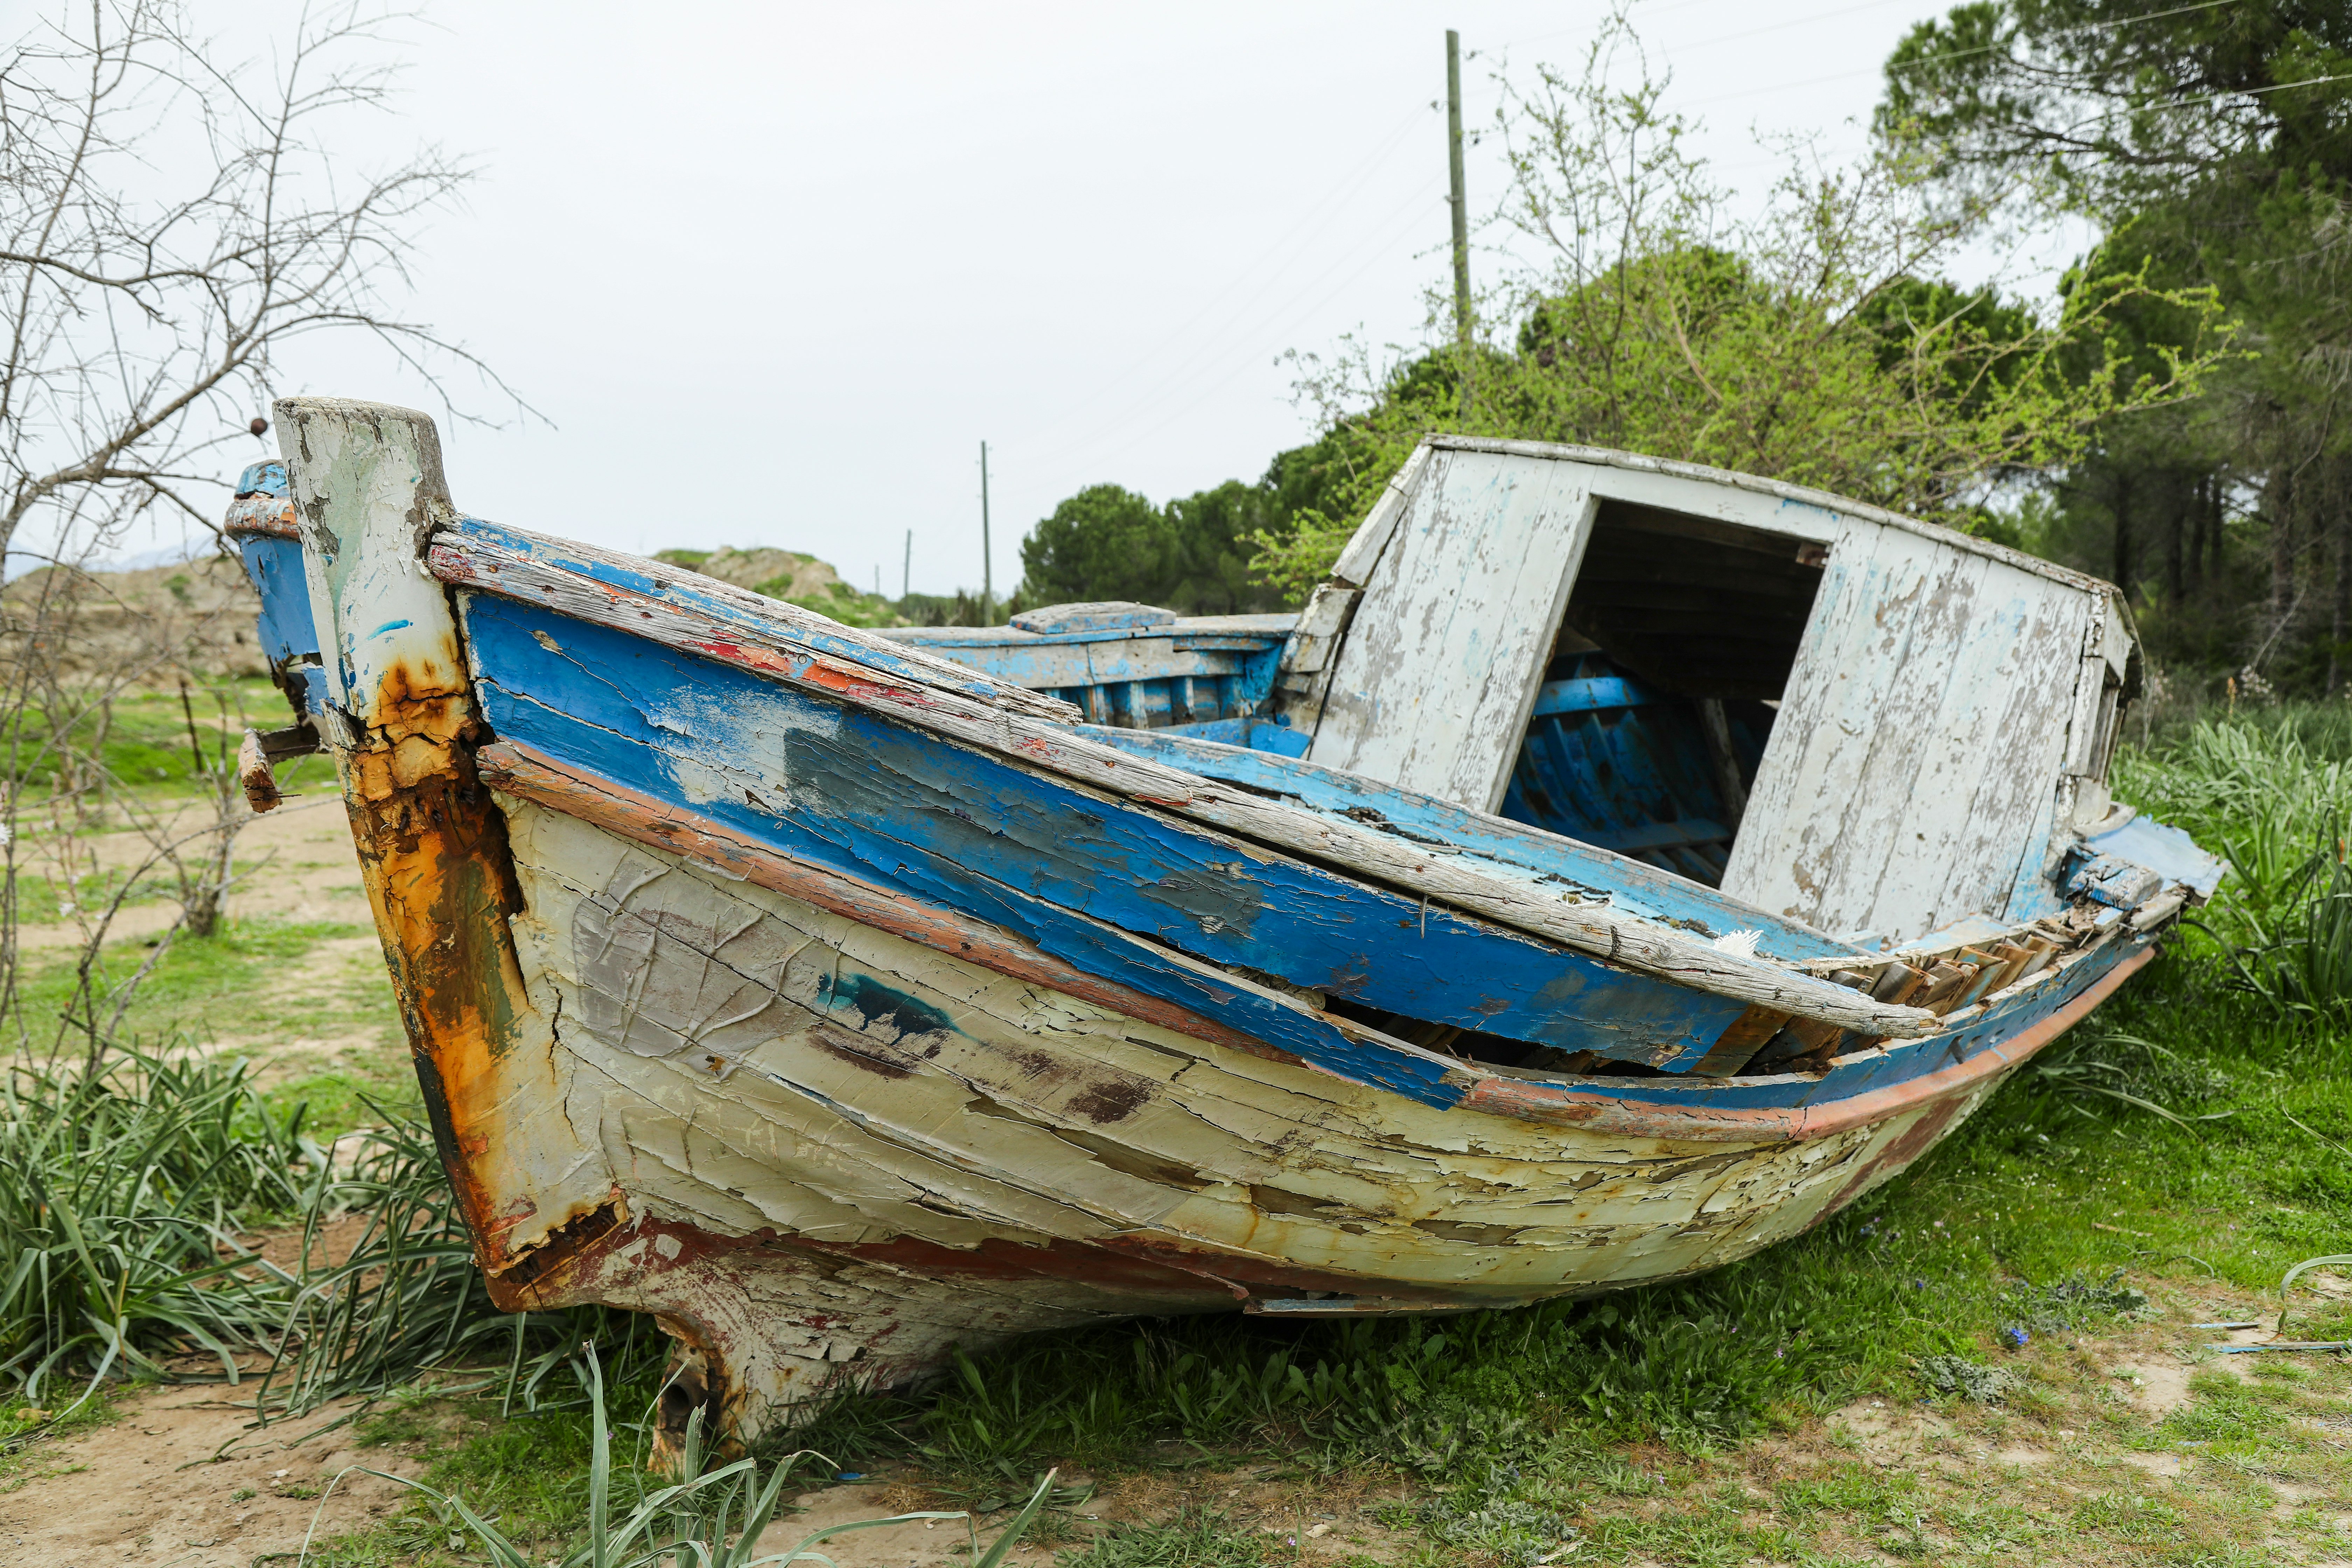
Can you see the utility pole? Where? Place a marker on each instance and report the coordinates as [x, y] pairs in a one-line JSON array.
[[987, 582], [1460, 199], [907, 572]]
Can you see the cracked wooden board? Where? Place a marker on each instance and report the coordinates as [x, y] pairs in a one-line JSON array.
[[851, 1130]]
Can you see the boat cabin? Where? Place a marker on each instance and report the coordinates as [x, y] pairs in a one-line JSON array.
[[1869, 724]]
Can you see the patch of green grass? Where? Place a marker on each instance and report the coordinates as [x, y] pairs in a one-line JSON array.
[[245, 992], [126, 1186], [1196, 1537], [141, 736]]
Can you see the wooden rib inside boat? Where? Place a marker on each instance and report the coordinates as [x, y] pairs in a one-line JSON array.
[[1616, 867]]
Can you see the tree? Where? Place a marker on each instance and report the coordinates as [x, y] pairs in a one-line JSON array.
[[2214, 145], [1191, 556], [1214, 530], [142, 329], [170, 221], [2121, 106], [1104, 542], [1811, 345]]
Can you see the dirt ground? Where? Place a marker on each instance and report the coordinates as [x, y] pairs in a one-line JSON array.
[[303, 868], [182, 1477], [1326, 1522]]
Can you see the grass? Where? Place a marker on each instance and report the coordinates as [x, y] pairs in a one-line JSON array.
[[130, 1184], [140, 737], [711, 1515], [261, 993]]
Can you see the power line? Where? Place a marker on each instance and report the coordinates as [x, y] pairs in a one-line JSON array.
[[2249, 92], [1949, 55], [1969, 53], [1780, 27], [1379, 254]]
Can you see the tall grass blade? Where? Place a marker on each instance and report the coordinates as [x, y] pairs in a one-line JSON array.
[[2332, 1260]]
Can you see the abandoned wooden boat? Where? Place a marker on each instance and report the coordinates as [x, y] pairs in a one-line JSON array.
[[1617, 868]]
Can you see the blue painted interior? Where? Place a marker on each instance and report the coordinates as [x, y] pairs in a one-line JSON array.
[[958, 828], [1251, 734], [1609, 762], [1606, 761], [1140, 678]]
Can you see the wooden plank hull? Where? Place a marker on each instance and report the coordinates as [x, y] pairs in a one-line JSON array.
[[840, 1150]]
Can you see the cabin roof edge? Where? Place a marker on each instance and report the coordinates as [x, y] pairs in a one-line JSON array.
[[1672, 467]]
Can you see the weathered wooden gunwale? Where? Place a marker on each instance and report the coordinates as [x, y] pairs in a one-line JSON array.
[[1989, 1039], [616, 591]]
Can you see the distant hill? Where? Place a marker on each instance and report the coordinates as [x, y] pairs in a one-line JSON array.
[[789, 575], [195, 617]]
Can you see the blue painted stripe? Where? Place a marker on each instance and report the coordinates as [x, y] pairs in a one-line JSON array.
[[1589, 693], [671, 586], [1900, 1063], [1633, 889], [273, 567], [955, 827], [1251, 734]]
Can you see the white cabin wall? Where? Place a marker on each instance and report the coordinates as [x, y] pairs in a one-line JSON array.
[[1431, 688], [1923, 735]]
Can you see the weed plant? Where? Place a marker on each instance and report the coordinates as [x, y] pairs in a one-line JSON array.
[[128, 1190], [164, 1220], [704, 1517]]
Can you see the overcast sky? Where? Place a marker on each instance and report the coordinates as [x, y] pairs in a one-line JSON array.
[[772, 272]]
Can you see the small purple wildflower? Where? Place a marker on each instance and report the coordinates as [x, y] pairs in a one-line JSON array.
[[2016, 1336]]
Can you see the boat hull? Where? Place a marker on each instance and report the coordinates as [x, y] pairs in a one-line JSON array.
[[839, 1151]]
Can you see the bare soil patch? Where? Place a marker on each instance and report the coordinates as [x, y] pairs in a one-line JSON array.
[[312, 873], [183, 1477]]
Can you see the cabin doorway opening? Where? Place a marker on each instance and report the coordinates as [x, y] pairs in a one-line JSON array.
[[1660, 692]]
